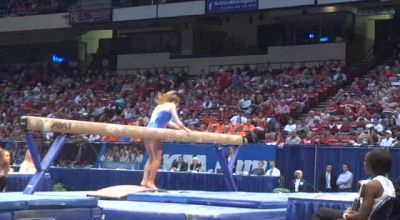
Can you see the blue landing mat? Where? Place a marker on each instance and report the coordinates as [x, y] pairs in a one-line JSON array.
[[128, 210], [229, 199], [20, 201], [14, 206]]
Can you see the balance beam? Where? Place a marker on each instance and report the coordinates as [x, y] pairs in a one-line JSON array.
[[63, 126], [85, 127]]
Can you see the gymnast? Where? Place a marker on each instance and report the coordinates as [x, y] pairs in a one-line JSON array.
[[164, 114]]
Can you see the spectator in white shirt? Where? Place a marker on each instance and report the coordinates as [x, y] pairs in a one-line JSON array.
[[238, 117], [378, 127], [291, 126], [388, 141], [282, 108], [94, 138], [311, 119], [397, 117], [339, 75], [273, 171], [207, 104], [293, 138], [245, 102], [324, 115]]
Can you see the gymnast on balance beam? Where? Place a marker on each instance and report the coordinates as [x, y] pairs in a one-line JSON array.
[[164, 114]]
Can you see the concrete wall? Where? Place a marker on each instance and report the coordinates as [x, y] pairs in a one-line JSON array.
[[268, 4], [320, 2], [181, 9], [134, 13], [38, 36], [318, 52]]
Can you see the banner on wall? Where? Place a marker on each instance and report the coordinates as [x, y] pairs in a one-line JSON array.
[[224, 6], [248, 157], [91, 16]]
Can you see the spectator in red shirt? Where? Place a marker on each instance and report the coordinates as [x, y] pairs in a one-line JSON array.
[[388, 72], [224, 79], [310, 138]]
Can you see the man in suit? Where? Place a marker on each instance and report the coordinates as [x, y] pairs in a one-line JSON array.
[[179, 165], [298, 183], [327, 180]]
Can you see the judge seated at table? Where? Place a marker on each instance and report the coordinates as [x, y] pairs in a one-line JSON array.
[[179, 165], [259, 171], [196, 165], [298, 183]]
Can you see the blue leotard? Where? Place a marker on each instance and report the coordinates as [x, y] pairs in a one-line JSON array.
[[159, 119]]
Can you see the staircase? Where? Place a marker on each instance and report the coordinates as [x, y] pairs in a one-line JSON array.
[[365, 65]]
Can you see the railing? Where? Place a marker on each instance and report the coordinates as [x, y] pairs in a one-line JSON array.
[[122, 3], [162, 69], [272, 65]]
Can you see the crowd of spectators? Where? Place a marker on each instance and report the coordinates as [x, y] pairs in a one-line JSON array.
[[246, 101], [367, 113], [123, 154], [258, 103]]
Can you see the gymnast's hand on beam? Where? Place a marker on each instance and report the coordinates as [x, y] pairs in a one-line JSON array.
[[179, 126]]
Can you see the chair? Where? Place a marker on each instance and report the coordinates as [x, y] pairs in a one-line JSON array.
[[384, 209], [3, 183]]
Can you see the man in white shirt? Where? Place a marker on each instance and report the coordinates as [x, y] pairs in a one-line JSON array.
[[291, 126], [273, 171], [388, 141]]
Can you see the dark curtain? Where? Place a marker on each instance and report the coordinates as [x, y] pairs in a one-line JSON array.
[[353, 157], [297, 157]]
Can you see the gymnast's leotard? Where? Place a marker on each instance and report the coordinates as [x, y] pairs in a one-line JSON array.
[[162, 114], [159, 119]]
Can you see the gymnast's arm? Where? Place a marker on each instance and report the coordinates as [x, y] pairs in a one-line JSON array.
[[175, 121], [173, 125]]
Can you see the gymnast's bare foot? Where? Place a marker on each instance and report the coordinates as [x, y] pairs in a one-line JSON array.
[[152, 187], [143, 183]]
